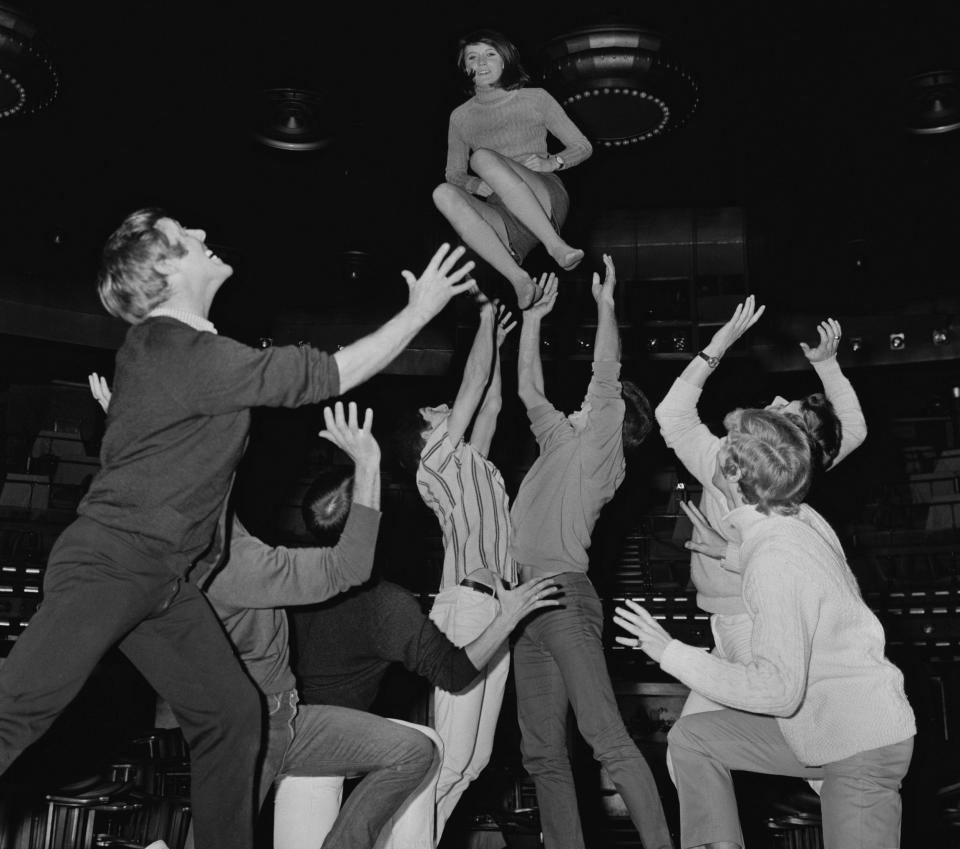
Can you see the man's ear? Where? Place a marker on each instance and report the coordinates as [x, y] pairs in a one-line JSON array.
[[167, 265]]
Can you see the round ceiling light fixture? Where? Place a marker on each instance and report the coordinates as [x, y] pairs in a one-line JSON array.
[[618, 85], [28, 80], [933, 102], [292, 119]]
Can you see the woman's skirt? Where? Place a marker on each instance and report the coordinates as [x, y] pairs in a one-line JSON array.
[[520, 240]]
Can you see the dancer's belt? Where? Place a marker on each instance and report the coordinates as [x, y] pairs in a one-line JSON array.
[[478, 586]]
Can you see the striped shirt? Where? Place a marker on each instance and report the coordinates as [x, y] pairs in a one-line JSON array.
[[466, 492]]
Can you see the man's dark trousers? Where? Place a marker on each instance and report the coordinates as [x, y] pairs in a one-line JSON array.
[[103, 587]]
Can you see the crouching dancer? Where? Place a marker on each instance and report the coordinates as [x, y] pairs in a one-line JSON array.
[[175, 432], [816, 698], [344, 648]]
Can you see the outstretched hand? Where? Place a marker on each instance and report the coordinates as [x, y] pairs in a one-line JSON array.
[[355, 441], [524, 599], [706, 540], [100, 390], [603, 292], [647, 633], [830, 333], [548, 286], [744, 317], [440, 281], [505, 323]]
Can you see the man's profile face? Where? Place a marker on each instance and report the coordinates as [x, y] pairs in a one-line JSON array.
[[198, 263]]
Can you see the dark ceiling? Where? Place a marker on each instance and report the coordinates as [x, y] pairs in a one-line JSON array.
[[800, 123]]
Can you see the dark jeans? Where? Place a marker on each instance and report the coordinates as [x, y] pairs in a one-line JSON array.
[[309, 740], [558, 661], [100, 589]]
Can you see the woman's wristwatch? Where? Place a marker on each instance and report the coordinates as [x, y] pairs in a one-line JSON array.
[[560, 162]]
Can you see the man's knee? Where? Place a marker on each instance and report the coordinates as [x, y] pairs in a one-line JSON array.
[[240, 715], [418, 753]]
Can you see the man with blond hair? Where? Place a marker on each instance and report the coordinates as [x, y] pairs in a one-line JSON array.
[[176, 429]]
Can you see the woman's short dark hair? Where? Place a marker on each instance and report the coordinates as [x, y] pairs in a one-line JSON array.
[[326, 504], [129, 284], [819, 419], [409, 439], [513, 76], [637, 416]]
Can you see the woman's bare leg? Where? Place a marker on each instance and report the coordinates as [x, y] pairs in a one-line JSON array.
[[526, 196], [482, 228]]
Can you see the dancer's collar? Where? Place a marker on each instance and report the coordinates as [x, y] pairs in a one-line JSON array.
[[491, 95]]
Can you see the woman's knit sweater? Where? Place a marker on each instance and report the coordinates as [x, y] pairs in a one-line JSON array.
[[818, 651], [512, 123]]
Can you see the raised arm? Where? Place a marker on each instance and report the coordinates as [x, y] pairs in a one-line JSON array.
[[486, 423], [262, 576], [838, 390], [680, 425], [476, 373], [744, 317], [606, 345], [429, 294], [358, 444], [529, 365]]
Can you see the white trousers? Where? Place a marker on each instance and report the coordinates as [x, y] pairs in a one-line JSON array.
[[466, 721]]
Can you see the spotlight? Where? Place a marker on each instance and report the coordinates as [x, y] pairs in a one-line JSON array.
[[856, 343], [940, 336], [898, 341], [264, 342]]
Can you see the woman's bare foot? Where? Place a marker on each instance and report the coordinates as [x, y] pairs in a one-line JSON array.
[[528, 293], [567, 258]]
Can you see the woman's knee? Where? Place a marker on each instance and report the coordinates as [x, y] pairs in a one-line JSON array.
[[450, 200], [483, 161]]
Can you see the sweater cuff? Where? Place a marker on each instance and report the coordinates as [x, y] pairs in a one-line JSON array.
[[606, 369], [676, 660], [731, 557], [360, 532], [827, 367]]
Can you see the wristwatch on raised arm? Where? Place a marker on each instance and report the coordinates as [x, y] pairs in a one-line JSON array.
[[713, 362], [560, 162]]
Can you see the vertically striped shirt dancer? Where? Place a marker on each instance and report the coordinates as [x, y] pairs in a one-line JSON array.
[[467, 494]]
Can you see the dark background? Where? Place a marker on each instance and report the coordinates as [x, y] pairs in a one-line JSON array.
[[800, 123]]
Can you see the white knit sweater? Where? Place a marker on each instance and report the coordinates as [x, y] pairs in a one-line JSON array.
[[718, 581], [818, 651]]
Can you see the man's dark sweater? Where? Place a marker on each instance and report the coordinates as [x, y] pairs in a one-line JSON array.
[[345, 646], [177, 427]]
